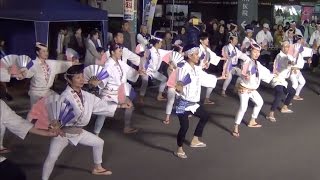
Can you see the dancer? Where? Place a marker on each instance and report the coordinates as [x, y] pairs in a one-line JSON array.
[[207, 57], [189, 80], [153, 65], [20, 127], [43, 73], [252, 74], [84, 105], [175, 63], [248, 40], [281, 69], [296, 76], [110, 89], [231, 66]]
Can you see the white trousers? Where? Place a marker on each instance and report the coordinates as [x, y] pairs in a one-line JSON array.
[[297, 81], [2, 131], [158, 76], [59, 143], [256, 98], [127, 120], [171, 97], [234, 71]]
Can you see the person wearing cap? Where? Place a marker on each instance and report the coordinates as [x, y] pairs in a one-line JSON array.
[[248, 40], [43, 73], [152, 69], [293, 26], [315, 44], [252, 74], [188, 102], [281, 70], [296, 77], [264, 37], [143, 37], [193, 30], [129, 57], [208, 58], [84, 105], [111, 89], [231, 66], [20, 127]]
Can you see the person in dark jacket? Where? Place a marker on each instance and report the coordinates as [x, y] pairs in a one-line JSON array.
[[193, 30]]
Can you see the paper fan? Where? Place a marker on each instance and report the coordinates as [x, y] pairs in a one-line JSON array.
[[186, 80], [176, 57], [95, 71], [51, 111], [282, 64], [148, 60], [166, 57], [70, 53], [9, 60], [24, 61]]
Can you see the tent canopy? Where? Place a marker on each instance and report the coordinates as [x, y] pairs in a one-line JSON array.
[[50, 10]]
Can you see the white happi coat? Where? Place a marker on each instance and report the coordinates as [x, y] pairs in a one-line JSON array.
[[207, 54], [253, 82], [10, 120], [155, 61], [132, 74], [233, 61], [4, 75], [83, 111], [39, 86], [192, 91], [282, 68], [264, 38], [246, 44], [117, 76]]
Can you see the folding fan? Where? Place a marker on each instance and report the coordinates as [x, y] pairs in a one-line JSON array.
[[9, 62], [24, 61], [176, 58], [95, 71], [51, 112]]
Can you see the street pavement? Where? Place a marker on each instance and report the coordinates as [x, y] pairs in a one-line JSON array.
[[285, 150]]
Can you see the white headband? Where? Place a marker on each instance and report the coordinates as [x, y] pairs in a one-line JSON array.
[[191, 51]]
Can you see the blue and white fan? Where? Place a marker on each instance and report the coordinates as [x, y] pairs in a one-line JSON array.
[[24, 61], [96, 72]]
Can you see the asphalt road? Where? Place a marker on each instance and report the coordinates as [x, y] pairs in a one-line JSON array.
[[285, 150]]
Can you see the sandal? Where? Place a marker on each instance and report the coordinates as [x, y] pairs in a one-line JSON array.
[[235, 134], [130, 130], [272, 119], [104, 172], [199, 144], [286, 111], [298, 98], [181, 155], [208, 102], [4, 150], [256, 125]]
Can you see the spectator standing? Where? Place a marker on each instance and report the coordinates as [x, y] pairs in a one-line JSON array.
[[77, 42], [91, 52], [167, 41], [126, 35]]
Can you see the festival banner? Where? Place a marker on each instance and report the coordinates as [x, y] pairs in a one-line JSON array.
[[148, 15], [128, 9]]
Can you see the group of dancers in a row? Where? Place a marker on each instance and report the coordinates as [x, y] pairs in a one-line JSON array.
[[185, 75]]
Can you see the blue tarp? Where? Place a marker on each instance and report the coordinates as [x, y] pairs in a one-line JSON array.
[[20, 14], [50, 10]]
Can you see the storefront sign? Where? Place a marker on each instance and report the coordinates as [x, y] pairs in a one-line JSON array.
[[128, 13], [247, 11]]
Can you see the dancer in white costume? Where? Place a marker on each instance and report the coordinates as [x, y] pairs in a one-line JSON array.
[[110, 88], [296, 76], [84, 105], [252, 74], [281, 70], [207, 58], [20, 127], [231, 66], [43, 73]]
